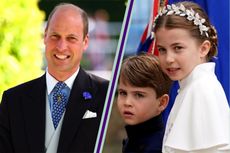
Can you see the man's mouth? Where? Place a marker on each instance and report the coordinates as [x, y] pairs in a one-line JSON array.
[[61, 57]]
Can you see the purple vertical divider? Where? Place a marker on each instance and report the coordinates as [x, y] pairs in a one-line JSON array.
[[99, 149]]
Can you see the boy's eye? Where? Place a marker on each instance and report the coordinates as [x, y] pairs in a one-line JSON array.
[[139, 95], [122, 93]]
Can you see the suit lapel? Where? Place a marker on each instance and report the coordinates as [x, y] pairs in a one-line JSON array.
[[34, 108], [75, 109]]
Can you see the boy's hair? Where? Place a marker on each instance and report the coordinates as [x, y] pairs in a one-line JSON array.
[[176, 21], [144, 71]]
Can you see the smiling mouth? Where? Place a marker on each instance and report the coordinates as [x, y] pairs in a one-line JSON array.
[[61, 57]]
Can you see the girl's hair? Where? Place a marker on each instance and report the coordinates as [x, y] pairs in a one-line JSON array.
[[144, 71], [177, 21]]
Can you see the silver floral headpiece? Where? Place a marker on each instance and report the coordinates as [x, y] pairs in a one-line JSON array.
[[190, 15]]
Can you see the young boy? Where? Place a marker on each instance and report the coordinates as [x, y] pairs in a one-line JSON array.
[[142, 96]]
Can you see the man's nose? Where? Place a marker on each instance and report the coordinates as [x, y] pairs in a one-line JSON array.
[[61, 45]]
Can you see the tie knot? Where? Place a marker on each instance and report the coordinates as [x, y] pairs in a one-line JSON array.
[[59, 86]]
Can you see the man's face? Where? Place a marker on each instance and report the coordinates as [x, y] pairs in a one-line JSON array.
[[64, 43]]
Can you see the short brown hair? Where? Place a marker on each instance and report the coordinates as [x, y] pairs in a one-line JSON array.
[[83, 14], [144, 71], [176, 21]]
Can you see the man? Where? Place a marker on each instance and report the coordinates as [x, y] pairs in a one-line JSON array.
[[27, 112]]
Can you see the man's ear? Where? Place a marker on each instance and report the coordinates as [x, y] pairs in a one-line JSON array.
[[205, 48], [164, 99], [86, 42], [44, 36]]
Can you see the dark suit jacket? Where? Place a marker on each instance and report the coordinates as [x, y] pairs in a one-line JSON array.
[[22, 116], [146, 137]]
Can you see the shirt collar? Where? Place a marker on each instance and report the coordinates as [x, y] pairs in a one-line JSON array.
[[51, 81]]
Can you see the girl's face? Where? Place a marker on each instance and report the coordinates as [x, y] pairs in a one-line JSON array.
[[179, 52], [137, 104]]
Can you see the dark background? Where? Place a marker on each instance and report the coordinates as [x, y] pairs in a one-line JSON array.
[[113, 7]]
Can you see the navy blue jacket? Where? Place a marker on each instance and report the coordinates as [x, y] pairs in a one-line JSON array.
[[145, 137]]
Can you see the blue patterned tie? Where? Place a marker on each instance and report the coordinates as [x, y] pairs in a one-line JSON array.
[[60, 100]]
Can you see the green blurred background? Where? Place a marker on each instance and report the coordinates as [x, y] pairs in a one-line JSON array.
[[20, 39]]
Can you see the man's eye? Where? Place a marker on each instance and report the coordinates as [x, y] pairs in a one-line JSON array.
[[72, 39], [54, 37]]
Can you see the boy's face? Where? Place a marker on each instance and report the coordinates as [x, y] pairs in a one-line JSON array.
[[137, 104]]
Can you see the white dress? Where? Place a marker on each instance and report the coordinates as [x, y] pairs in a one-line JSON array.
[[199, 121]]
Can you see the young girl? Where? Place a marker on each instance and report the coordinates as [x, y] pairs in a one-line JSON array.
[[142, 96], [199, 121]]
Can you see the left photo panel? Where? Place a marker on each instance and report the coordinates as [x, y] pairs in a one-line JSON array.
[[57, 60]]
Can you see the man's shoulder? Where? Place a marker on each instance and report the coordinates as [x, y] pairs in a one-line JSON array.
[[94, 78], [98, 79]]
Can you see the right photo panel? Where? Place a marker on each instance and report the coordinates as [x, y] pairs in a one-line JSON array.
[[172, 93]]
